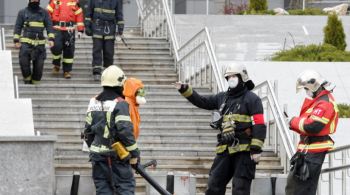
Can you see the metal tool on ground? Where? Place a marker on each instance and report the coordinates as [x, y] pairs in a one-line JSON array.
[[123, 39]]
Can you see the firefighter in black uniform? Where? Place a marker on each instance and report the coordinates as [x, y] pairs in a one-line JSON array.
[[107, 121], [101, 20], [242, 133], [33, 20]]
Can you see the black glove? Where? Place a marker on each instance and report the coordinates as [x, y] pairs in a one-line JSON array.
[[88, 31], [135, 158], [227, 134], [120, 29]]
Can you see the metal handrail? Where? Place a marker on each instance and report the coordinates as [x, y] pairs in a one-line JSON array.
[[154, 9], [2, 39], [279, 118]]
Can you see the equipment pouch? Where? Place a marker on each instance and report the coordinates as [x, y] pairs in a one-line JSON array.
[[299, 167], [216, 120]]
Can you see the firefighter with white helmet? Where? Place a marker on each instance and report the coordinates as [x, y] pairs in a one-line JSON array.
[[242, 130], [317, 120], [108, 121]]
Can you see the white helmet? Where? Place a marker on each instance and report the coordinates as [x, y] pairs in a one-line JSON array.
[[113, 76], [234, 68], [311, 80]]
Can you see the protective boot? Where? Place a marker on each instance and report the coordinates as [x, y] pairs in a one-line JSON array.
[[55, 70], [67, 75]]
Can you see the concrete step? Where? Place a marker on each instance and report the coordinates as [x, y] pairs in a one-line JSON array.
[[97, 87], [79, 123], [86, 39], [144, 115]]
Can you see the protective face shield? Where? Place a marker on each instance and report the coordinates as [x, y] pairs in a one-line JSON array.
[[140, 96], [233, 82], [113, 76], [310, 80]]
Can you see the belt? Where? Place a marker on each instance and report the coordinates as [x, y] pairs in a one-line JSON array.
[[313, 139], [63, 24], [104, 22]]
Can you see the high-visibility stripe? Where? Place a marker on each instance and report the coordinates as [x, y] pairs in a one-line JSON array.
[[319, 119], [88, 19], [109, 37], [122, 118], [16, 36], [309, 110], [71, 3], [35, 82], [336, 109], [108, 117], [239, 148], [56, 57], [36, 24], [32, 41], [132, 147], [301, 125], [68, 60], [80, 23], [88, 118], [316, 146], [106, 132], [120, 22], [49, 8], [78, 11], [28, 78], [257, 142], [188, 92], [100, 149], [101, 10], [57, 2], [97, 36], [51, 35], [237, 117]]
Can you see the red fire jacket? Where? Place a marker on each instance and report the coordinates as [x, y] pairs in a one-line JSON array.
[[65, 14], [318, 118]]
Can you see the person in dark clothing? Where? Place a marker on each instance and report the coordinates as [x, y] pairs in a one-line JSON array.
[[317, 120], [242, 131], [101, 21], [32, 20], [108, 121]]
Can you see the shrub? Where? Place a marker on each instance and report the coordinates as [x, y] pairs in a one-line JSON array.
[[258, 5], [334, 32], [309, 53], [344, 110], [307, 11]]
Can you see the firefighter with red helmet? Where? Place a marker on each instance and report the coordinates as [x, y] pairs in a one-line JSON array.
[[66, 16], [242, 131], [317, 120]]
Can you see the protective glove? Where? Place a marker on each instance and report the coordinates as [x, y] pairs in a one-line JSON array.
[[135, 158], [80, 35], [120, 29], [51, 44], [255, 157], [182, 87], [228, 133], [17, 45], [88, 31]]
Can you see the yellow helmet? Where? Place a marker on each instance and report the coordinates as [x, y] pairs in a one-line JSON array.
[[113, 76]]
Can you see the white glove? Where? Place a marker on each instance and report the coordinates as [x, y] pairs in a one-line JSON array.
[[255, 157], [80, 35]]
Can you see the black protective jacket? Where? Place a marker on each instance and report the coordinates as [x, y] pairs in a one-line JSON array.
[[102, 17], [33, 23], [109, 123], [244, 108]]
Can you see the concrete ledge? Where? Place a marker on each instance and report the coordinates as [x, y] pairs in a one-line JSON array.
[[27, 165]]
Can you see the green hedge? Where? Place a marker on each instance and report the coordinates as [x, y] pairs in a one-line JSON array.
[[307, 11], [313, 53], [344, 110]]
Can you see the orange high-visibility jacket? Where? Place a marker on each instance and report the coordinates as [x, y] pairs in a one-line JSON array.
[[62, 12], [318, 117], [131, 86]]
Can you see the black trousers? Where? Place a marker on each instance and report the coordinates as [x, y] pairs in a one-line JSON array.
[[117, 179], [238, 166], [64, 43], [309, 187], [36, 54], [103, 50]]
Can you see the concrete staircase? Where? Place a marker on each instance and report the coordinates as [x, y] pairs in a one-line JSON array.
[[173, 131]]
